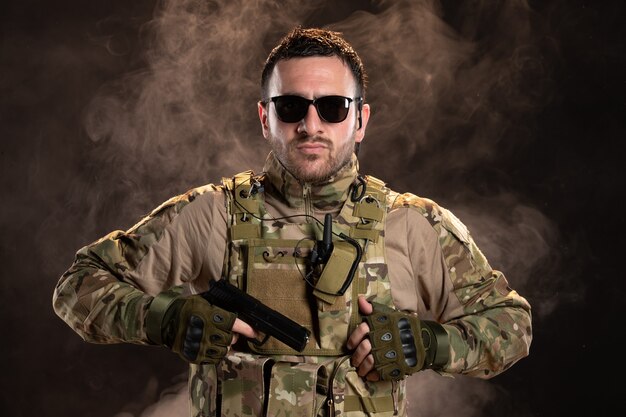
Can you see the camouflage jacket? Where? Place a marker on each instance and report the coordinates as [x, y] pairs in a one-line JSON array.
[[435, 269]]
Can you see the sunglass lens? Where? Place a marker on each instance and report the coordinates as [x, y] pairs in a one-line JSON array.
[[333, 109], [291, 109]]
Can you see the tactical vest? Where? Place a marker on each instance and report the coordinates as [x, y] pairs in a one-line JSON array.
[[270, 259]]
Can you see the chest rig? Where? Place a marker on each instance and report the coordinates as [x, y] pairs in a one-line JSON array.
[[271, 260]]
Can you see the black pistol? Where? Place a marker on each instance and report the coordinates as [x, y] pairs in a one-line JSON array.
[[262, 318]]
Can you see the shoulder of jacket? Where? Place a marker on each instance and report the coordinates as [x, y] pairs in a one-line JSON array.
[[440, 218], [181, 200], [244, 178], [174, 205]]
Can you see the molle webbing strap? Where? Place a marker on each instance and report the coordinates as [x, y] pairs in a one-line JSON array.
[[371, 210], [368, 404], [243, 231], [243, 207]]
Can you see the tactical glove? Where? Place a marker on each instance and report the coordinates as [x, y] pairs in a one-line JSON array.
[[402, 344], [196, 330]]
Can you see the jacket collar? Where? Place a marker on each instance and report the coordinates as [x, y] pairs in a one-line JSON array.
[[327, 195]]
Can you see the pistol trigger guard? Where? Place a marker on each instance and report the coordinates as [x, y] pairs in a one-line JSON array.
[[257, 342]]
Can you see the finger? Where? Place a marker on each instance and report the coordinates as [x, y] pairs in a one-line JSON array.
[[360, 353], [366, 366], [357, 335], [243, 329], [364, 306], [373, 376]]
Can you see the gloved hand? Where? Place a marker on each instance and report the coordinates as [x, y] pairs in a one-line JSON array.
[[196, 330], [402, 344]]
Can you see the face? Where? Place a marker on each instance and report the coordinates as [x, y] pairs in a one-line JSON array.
[[312, 149]]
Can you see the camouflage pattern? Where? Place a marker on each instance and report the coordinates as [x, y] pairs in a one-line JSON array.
[[271, 263], [497, 321], [278, 258], [97, 297], [104, 300], [203, 396]]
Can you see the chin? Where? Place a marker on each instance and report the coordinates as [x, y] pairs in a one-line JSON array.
[[312, 174]]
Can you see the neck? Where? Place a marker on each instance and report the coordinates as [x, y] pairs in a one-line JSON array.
[[324, 195]]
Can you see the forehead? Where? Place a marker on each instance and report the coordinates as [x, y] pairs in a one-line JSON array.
[[312, 77]]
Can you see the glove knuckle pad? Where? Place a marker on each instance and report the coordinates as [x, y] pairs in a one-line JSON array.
[[393, 339], [205, 331]]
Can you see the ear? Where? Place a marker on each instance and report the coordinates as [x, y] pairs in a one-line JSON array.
[[365, 117], [263, 109]]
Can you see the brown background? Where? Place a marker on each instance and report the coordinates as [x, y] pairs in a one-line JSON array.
[[509, 113]]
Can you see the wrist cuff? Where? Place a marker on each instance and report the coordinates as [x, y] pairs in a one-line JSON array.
[[156, 312], [439, 347]]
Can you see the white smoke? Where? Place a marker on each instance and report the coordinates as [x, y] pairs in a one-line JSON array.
[[446, 98]]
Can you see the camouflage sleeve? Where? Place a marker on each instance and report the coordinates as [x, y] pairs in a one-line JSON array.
[[491, 329], [103, 296]]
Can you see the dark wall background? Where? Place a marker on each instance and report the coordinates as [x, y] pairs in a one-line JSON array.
[[508, 113]]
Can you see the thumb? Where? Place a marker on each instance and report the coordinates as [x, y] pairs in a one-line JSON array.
[[364, 306]]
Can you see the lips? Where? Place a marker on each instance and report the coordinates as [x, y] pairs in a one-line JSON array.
[[312, 147], [311, 150]]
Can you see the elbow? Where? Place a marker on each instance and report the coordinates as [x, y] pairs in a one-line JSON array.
[[524, 335], [500, 348], [513, 346], [66, 305]]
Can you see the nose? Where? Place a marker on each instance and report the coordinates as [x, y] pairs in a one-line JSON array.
[[311, 123]]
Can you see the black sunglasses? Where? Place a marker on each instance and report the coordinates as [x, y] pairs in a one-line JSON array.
[[331, 109]]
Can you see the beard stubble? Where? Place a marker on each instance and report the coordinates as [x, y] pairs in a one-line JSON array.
[[312, 168]]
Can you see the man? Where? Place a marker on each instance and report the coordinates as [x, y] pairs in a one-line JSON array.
[[386, 284]]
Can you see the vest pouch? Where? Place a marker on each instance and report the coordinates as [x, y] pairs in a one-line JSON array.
[[352, 396], [276, 271], [298, 389], [243, 385], [335, 273], [275, 276]]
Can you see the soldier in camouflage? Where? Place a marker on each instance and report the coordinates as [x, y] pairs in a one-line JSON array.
[[402, 287]]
